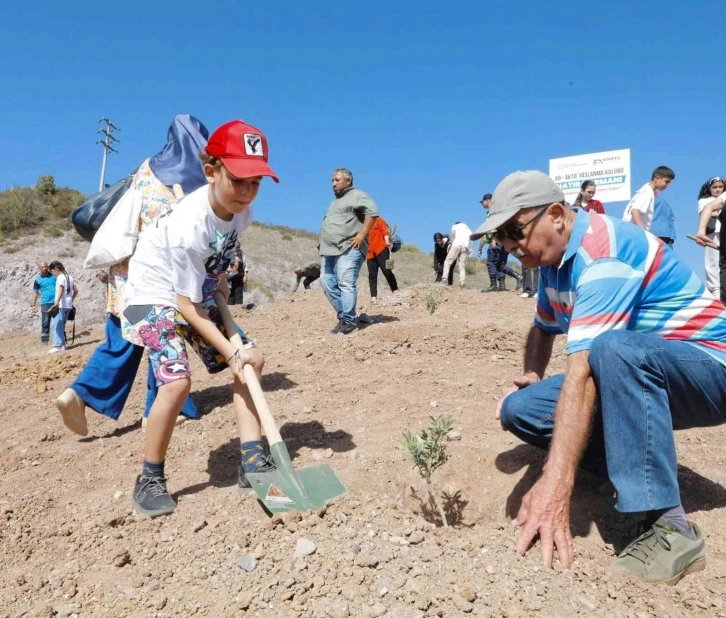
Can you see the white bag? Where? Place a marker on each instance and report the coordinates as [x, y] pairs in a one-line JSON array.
[[116, 239]]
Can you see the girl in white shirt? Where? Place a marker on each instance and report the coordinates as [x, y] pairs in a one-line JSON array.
[[65, 293], [710, 202]]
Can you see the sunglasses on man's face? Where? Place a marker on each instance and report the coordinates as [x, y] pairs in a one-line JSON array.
[[515, 231]]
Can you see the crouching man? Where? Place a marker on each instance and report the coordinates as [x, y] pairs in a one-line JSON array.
[[646, 346]]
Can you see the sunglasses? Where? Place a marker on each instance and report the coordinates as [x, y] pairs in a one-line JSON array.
[[515, 231]]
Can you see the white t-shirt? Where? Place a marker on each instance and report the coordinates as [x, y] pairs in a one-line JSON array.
[[644, 201], [65, 282], [701, 205], [185, 252], [462, 232]]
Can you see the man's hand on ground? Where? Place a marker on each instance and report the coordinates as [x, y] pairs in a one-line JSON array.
[[357, 241], [545, 511], [520, 382]]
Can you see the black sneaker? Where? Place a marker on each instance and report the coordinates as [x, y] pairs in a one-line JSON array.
[[151, 497], [347, 329], [243, 485], [336, 328]]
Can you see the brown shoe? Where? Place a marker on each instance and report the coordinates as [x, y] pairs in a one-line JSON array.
[[73, 410]]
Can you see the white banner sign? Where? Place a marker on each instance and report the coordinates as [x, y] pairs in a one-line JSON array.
[[610, 171]]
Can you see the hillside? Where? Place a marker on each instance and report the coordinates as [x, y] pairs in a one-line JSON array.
[[71, 546], [273, 251]]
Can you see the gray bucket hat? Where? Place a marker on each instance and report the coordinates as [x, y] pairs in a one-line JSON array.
[[516, 192]]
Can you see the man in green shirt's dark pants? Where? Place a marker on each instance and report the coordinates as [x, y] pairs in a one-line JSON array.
[[343, 247]]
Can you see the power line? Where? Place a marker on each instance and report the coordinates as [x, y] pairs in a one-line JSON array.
[[106, 143]]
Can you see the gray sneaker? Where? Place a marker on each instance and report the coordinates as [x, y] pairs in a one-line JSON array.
[[244, 487], [662, 555], [151, 497]]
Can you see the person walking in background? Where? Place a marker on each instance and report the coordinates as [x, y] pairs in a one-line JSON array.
[[379, 252], [441, 249], [458, 252], [663, 224], [106, 381], [711, 199], [343, 247], [310, 272], [65, 293], [640, 208], [237, 276], [585, 199], [43, 288], [503, 269], [530, 282], [485, 238]]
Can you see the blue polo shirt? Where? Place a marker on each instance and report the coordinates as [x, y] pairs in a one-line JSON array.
[[616, 276], [663, 223], [45, 284]]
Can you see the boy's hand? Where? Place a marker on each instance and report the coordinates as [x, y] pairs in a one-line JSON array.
[[253, 357]]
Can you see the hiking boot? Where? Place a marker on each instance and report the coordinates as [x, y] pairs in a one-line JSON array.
[[151, 497], [492, 286], [336, 328], [347, 329], [73, 411], [244, 487], [662, 555]]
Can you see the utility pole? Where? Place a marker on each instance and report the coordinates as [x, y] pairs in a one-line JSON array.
[[106, 143]]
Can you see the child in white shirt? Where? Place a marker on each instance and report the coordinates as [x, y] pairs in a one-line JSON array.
[[177, 267], [640, 208]]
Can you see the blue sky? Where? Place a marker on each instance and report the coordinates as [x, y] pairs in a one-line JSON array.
[[430, 104]]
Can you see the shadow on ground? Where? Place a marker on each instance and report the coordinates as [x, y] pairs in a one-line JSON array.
[[223, 462], [208, 399], [590, 507]]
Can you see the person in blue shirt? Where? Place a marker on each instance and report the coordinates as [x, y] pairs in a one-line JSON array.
[[663, 223], [43, 287]]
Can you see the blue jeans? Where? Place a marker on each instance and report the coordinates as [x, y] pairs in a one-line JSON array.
[[339, 279], [58, 328], [106, 380], [646, 388], [45, 320]]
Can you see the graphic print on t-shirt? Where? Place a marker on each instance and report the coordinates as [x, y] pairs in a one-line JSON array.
[[223, 247]]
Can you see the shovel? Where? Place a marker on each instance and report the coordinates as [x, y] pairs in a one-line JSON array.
[[284, 489]]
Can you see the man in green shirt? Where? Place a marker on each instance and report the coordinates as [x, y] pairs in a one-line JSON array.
[[310, 271], [343, 247]]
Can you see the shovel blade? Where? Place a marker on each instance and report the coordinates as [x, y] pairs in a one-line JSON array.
[[304, 489]]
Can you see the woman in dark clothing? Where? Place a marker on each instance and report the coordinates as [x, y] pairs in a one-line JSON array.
[[441, 249]]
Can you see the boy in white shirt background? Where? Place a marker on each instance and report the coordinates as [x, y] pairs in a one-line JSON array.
[[642, 205], [177, 267]]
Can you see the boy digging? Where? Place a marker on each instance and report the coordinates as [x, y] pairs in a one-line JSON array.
[[177, 267]]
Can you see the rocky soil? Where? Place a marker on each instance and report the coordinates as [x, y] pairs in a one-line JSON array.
[[71, 546]]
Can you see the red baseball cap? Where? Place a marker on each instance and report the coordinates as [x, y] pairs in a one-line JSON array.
[[242, 148]]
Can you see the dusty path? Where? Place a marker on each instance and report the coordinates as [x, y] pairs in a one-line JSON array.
[[69, 544]]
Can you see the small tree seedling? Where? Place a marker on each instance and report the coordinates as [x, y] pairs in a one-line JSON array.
[[428, 449]]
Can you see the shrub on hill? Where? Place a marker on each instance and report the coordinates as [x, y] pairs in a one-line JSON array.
[[23, 210]]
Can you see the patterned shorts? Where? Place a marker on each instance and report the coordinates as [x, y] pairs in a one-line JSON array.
[[164, 333]]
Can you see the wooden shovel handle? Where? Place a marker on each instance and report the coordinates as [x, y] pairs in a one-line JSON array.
[[258, 396]]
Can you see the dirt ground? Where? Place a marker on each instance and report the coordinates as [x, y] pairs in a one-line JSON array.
[[71, 546]]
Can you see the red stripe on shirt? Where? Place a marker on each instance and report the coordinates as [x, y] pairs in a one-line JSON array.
[[544, 315], [596, 241], [561, 308], [710, 312], [600, 318], [655, 266], [714, 345]]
